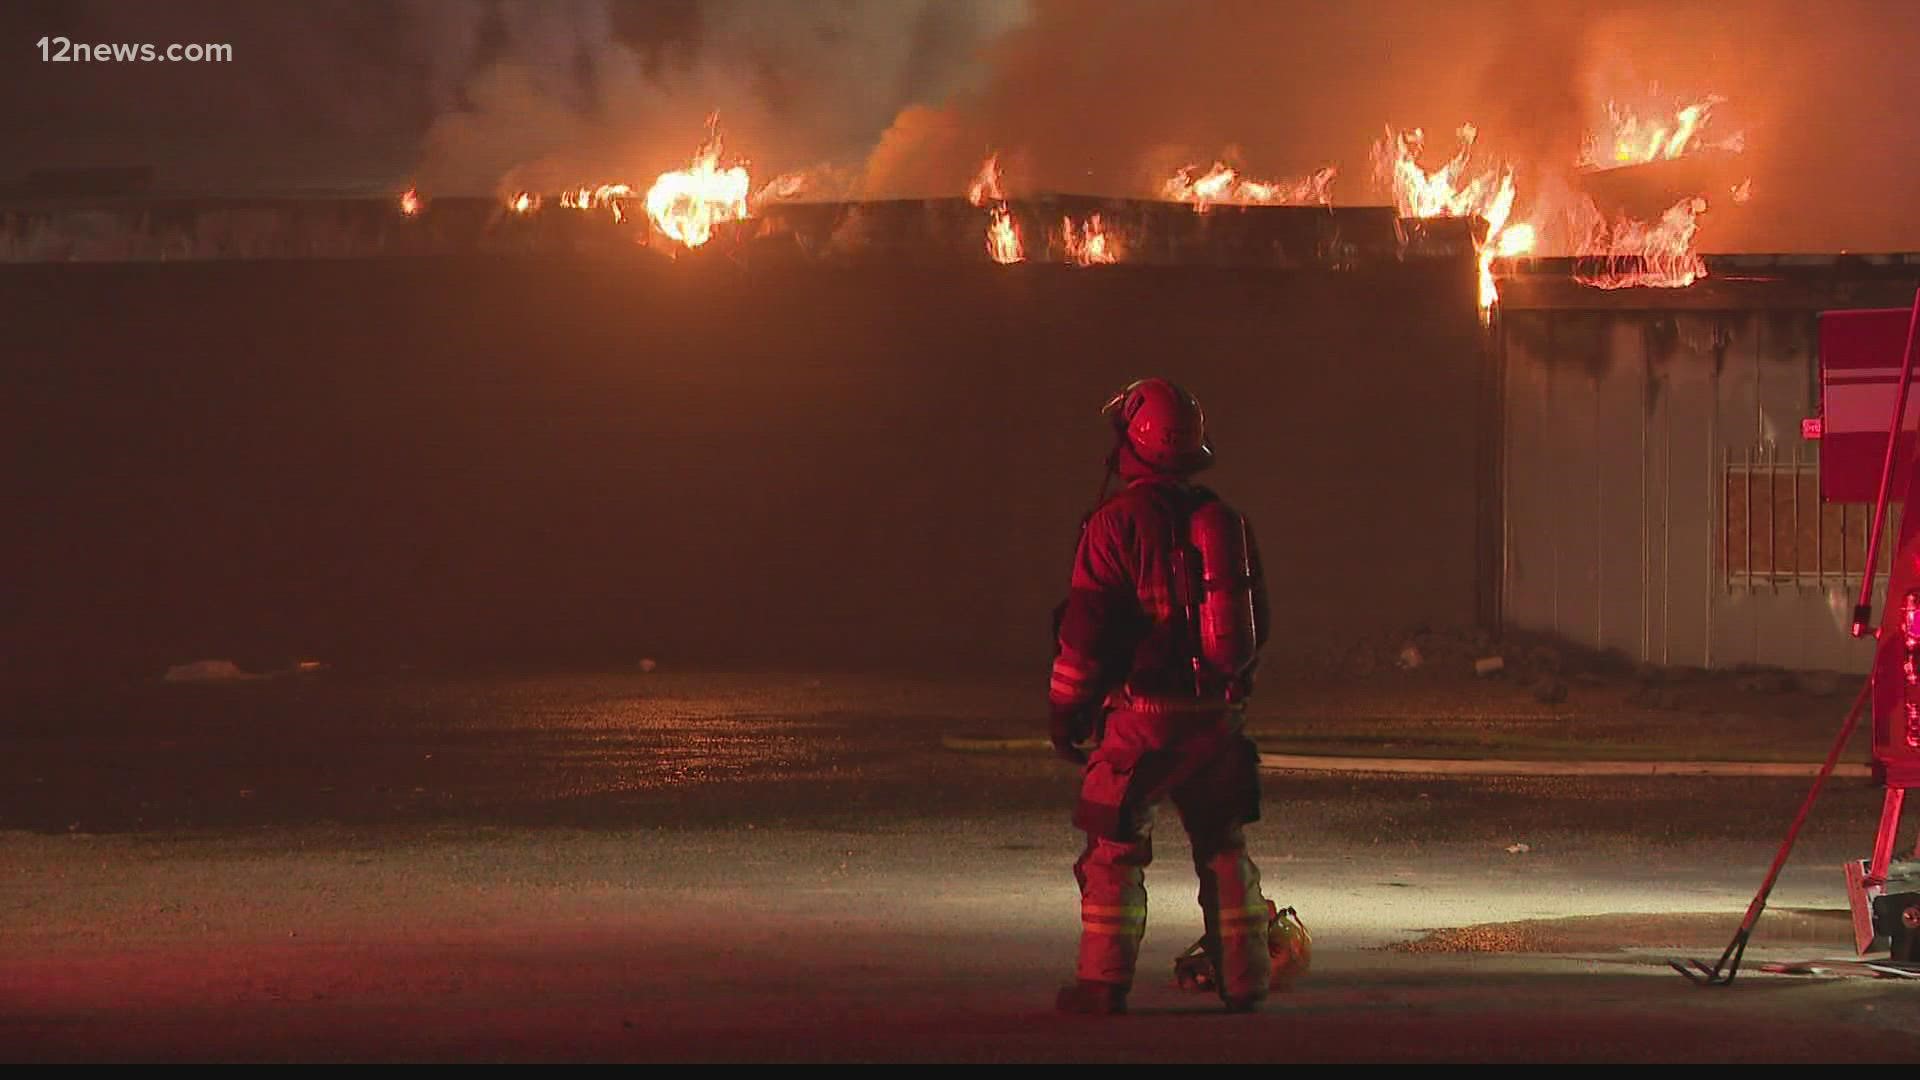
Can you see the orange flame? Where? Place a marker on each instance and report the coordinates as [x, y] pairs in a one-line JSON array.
[[1003, 237], [687, 204], [1089, 244], [1452, 191], [986, 186], [1223, 184], [1743, 191], [410, 202], [784, 186], [1003, 234], [524, 202], [1632, 140], [1634, 253], [586, 198]]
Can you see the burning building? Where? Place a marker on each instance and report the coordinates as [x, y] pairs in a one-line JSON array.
[[495, 434], [1484, 267], [1555, 367]]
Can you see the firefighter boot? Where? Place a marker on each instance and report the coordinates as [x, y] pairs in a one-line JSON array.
[[1088, 998], [1245, 1004]]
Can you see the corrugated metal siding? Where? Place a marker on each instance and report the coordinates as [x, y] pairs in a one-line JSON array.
[[1619, 425]]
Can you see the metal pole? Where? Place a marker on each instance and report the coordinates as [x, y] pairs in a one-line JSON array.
[[1863, 608], [1884, 836], [1797, 582], [1773, 517], [1746, 512], [1819, 533], [1726, 517], [1846, 515], [1723, 972]]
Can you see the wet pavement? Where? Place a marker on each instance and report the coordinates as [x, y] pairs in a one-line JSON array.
[[786, 867]]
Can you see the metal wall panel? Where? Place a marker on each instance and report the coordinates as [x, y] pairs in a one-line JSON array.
[[1620, 492], [1659, 500], [1656, 470], [1529, 529], [1620, 429], [1578, 348], [1693, 501], [1732, 346]]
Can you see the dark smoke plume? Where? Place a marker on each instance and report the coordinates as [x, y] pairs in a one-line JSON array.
[[906, 97], [1109, 96]]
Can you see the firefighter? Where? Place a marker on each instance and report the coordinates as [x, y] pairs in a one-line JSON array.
[[1155, 654]]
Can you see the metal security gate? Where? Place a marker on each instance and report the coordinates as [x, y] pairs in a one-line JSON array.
[[1776, 533]]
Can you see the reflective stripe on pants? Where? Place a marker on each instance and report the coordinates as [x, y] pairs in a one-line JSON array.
[[1111, 870]]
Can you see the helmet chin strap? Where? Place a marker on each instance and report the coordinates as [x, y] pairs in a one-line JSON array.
[[1107, 474]]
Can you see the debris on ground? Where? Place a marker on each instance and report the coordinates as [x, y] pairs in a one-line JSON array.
[[1518, 849], [1548, 690], [1655, 697], [1818, 683], [1548, 669], [208, 671], [1764, 681], [1795, 969]]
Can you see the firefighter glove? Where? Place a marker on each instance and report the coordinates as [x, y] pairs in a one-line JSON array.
[[1071, 724]]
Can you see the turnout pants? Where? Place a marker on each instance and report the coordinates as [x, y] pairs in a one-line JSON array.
[[1202, 762]]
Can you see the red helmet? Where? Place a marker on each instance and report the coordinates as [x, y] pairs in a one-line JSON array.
[[1163, 426]]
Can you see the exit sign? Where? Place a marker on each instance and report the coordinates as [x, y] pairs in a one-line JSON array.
[[1810, 429]]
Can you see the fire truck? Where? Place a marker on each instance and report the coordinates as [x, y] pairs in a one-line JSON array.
[[1868, 448]]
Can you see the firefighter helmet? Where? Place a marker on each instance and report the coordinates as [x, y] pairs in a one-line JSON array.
[[1163, 426], [1289, 951], [1289, 946]]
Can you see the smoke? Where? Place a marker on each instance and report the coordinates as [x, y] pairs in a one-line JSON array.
[[597, 90], [315, 94], [1111, 96], [463, 96], [1100, 95], [908, 96]]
